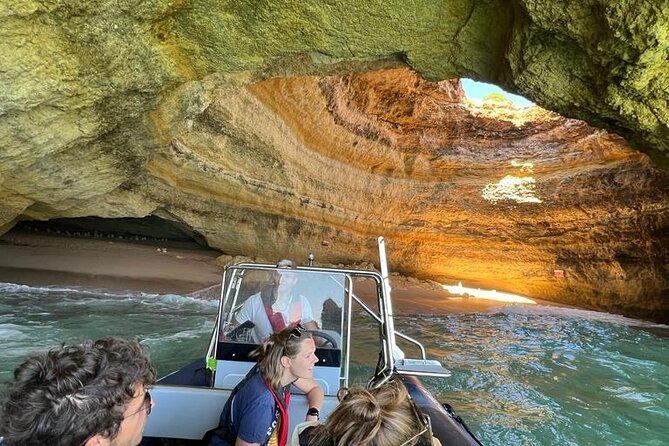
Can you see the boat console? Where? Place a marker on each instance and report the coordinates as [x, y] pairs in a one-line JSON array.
[[349, 313]]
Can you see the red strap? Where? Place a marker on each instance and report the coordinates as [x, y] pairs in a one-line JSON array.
[[275, 319], [283, 410]]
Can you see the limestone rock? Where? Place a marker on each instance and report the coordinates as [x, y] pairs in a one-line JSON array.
[[495, 197], [187, 110]]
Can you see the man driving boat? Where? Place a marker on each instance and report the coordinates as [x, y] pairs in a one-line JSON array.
[[276, 306]]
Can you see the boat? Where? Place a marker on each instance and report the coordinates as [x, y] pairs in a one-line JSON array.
[[357, 343]]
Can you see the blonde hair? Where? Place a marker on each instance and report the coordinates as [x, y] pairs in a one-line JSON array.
[[370, 417], [284, 343]]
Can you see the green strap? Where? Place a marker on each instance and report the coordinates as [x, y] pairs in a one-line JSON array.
[[211, 363]]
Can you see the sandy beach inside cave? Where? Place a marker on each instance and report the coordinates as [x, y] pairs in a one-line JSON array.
[[169, 267], [39, 259]]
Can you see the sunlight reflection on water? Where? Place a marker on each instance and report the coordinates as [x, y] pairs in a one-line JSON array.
[[521, 376]]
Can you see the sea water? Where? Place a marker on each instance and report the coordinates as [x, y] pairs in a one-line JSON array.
[[523, 375]]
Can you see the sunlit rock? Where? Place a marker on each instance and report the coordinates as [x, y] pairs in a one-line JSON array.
[[186, 110]]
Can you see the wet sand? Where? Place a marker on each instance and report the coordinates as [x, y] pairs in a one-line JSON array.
[[39, 259], [170, 267]]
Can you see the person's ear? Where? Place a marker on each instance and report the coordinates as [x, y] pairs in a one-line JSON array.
[[285, 361], [97, 440]]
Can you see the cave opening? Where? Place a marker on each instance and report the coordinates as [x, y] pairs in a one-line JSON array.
[[482, 91], [149, 230]]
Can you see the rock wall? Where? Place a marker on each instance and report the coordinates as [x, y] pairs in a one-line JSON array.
[[484, 193], [187, 110], [85, 73]]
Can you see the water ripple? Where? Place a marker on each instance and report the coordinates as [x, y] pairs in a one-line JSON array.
[[566, 377], [522, 376]]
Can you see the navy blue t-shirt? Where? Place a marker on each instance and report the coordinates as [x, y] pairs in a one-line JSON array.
[[254, 413]]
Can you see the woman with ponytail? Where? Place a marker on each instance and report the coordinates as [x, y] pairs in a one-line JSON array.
[[384, 416], [257, 411]]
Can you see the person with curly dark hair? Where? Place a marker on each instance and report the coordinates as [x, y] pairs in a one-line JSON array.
[[90, 394]]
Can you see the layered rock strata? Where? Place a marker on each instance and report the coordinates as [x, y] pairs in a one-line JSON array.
[[127, 109], [483, 193], [81, 75]]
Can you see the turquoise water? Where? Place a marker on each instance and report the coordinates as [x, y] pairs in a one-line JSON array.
[[522, 376]]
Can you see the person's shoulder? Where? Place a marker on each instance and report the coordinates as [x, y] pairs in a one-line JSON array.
[[303, 298], [255, 390], [252, 303], [254, 380], [253, 298]]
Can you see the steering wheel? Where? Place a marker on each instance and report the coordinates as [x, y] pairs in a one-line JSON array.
[[329, 340], [234, 334]]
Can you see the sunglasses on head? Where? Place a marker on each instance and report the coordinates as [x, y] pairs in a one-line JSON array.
[[296, 332], [426, 432]]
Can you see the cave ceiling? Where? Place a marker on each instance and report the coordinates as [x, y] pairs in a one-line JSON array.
[[271, 127]]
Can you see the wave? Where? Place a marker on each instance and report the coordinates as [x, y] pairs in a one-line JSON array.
[[193, 333], [181, 299], [576, 313], [7, 287], [11, 332], [98, 293]]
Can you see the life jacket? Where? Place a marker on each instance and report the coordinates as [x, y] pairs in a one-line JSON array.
[[223, 432], [276, 319], [284, 422]]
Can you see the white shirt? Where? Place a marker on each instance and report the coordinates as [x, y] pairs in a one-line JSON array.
[[293, 309]]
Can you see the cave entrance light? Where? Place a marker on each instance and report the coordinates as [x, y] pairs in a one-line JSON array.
[[487, 294], [480, 91]]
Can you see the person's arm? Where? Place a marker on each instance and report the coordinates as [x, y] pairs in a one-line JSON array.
[[314, 393], [245, 313]]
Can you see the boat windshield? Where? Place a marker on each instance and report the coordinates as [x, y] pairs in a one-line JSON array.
[[259, 302]]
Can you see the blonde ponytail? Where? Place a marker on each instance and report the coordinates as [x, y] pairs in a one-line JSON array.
[[375, 417]]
